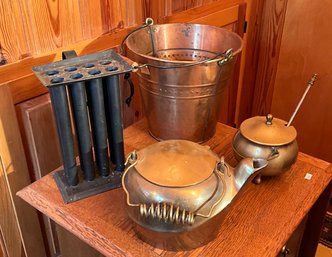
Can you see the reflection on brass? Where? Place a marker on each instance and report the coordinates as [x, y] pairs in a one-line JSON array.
[[267, 131], [183, 76], [268, 138], [160, 204], [189, 165], [167, 213]]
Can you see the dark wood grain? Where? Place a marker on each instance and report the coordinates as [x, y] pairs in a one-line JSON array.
[[273, 18], [314, 223], [249, 61], [28, 28], [257, 224], [42, 151], [299, 60], [16, 175], [3, 250], [10, 241], [265, 31]]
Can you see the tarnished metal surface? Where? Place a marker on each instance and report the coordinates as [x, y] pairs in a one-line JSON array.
[[267, 138], [85, 91], [81, 68], [163, 206], [182, 76], [267, 130]]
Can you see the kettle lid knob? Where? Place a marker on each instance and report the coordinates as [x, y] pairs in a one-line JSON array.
[[269, 118]]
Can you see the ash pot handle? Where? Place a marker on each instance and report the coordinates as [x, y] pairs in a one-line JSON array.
[[274, 153]]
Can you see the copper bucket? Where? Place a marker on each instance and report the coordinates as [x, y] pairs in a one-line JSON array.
[[183, 70]]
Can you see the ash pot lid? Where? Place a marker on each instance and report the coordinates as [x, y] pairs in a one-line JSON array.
[[267, 130], [176, 163]]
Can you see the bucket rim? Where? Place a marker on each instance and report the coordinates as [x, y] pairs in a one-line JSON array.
[[152, 58]]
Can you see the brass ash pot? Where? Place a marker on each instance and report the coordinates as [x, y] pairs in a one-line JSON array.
[[177, 191], [268, 138]]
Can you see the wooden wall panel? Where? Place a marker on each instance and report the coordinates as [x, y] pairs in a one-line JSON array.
[[3, 251], [264, 38], [32, 27], [249, 62], [306, 49], [10, 237], [13, 41], [39, 135], [17, 176], [273, 18], [42, 151]]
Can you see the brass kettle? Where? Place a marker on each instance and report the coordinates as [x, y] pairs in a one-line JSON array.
[[176, 191]]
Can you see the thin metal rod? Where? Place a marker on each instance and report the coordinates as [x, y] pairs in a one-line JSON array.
[[154, 53], [61, 112], [310, 83], [80, 112], [115, 119], [98, 124]]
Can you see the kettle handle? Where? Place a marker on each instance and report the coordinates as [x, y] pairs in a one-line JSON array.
[[163, 211]]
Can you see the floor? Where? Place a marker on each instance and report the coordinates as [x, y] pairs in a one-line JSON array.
[[323, 251]]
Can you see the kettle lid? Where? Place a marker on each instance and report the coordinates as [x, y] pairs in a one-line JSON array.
[[176, 163], [267, 130]]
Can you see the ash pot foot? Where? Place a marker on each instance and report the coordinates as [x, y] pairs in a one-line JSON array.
[[258, 179]]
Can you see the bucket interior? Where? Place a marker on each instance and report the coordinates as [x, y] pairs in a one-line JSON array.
[[183, 42]]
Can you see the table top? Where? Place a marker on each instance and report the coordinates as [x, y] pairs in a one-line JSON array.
[[257, 224]]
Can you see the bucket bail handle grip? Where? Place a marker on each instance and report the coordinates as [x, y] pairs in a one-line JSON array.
[[225, 58]]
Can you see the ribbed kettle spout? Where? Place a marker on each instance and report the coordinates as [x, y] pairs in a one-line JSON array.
[[247, 169]]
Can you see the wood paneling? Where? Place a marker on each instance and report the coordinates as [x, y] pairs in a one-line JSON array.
[[31, 27], [10, 238], [39, 135], [25, 85], [273, 17], [207, 14], [264, 40], [17, 177], [3, 250], [41, 149], [306, 49], [249, 61]]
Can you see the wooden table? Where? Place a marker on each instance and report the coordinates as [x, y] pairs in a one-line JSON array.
[[258, 223]]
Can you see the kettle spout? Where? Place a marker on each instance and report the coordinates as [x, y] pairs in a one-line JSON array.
[[247, 169]]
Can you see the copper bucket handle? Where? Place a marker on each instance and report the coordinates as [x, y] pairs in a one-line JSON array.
[[220, 58]]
